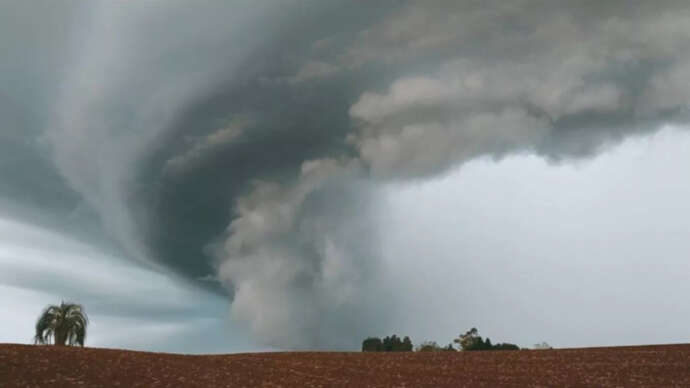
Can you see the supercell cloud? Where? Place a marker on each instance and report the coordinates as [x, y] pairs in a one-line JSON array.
[[241, 146]]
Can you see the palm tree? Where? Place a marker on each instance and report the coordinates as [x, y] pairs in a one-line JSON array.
[[66, 324]]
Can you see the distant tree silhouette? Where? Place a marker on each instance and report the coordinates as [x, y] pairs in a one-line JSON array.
[[432, 346], [472, 341], [388, 344], [406, 345], [65, 324], [505, 346], [429, 346], [372, 344]]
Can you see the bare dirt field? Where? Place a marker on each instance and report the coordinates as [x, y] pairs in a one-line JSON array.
[[641, 366]]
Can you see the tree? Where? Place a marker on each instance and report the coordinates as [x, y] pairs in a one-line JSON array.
[[505, 346], [65, 324], [392, 344], [406, 345], [449, 348], [388, 344], [471, 340], [542, 346], [372, 344]]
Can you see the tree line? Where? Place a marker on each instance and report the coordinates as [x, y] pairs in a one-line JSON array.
[[470, 341], [388, 344]]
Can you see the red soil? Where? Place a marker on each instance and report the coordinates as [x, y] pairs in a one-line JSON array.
[[641, 366]]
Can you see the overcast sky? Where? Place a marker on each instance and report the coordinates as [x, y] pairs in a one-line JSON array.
[[239, 175]]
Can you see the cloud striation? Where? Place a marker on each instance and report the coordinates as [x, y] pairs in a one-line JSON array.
[[245, 143]]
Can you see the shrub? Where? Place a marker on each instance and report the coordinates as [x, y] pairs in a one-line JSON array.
[[428, 346]]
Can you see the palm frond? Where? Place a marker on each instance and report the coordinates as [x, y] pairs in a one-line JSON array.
[[65, 324], [77, 332], [45, 326]]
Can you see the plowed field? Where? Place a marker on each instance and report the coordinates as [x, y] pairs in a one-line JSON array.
[[643, 366]]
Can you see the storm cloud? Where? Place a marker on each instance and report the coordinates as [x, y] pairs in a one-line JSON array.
[[241, 146]]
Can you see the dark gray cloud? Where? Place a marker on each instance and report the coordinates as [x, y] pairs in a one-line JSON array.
[[244, 142], [563, 81]]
